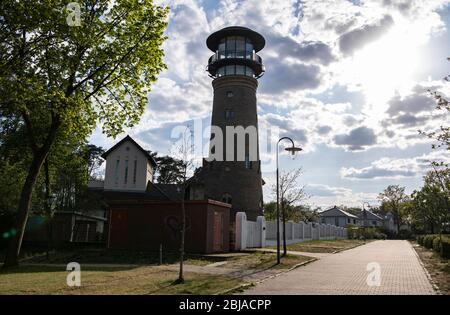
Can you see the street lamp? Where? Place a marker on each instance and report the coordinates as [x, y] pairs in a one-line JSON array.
[[293, 150]]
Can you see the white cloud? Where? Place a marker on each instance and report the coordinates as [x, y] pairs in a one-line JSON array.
[[396, 168]]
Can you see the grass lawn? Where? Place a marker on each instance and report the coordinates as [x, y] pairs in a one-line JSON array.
[[437, 267], [325, 246], [108, 256], [139, 280], [143, 279], [264, 260]]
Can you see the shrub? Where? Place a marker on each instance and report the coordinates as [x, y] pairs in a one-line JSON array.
[[437, 244], [445, 247], [420, 239], [428, 241], [405, 235]]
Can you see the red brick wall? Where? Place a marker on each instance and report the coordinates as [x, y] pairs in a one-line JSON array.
[[149, 225]]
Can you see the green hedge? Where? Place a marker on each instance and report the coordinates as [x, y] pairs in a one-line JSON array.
[[428, 240], [440, 244], [420, 239], [445, 247], [437, 244]]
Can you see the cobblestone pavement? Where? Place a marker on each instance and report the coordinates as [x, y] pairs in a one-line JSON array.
[[307, 254], [346, 273]]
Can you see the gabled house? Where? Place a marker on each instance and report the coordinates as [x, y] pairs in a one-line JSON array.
[[128, 167], [338, 217], [369, 219], [144, 215]]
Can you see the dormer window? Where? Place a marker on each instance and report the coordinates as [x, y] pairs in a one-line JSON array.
[[125, 180], [134, 172]]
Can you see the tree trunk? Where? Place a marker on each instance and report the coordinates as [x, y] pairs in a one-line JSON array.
[[284, 228], [48, 209], [39, 156], [12, 255]]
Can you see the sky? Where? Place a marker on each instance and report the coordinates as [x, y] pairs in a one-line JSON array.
[[348, 81]]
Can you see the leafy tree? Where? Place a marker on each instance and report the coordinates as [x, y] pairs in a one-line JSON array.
[[392, 198], [429, 208], [294, 213], [95, 160], [57, 78], [443, 134], [170, 170]]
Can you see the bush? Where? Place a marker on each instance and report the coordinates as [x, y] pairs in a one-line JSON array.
[[365, 233], [440, 244], [445, 247], [420, 239], [405, 235], [437, 244], [428, 241]]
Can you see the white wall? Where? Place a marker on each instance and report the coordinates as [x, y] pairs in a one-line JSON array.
[[127, 151], [260, 233]]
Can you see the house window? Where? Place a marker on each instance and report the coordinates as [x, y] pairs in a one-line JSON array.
[[229, 114], [348, 221], [374, 222], [134, 171], [125, 180], [336, 221], [116, 172]]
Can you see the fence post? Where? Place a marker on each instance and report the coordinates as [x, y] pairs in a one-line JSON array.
[[262, 228], [241, 231]]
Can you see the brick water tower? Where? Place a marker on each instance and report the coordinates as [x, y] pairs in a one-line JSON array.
[[235, 68]]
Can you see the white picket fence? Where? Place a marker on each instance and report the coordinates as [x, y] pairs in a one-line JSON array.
[[261, 233]]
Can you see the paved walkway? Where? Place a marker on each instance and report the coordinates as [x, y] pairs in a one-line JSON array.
[[307, 254], [345, 273]]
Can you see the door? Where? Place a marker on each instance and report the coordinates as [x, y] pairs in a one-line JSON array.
[[118, 237], [218, 232]]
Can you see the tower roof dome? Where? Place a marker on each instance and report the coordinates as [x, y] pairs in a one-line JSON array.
[[213, 40]]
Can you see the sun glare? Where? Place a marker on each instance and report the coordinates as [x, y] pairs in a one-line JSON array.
[[386, 66]]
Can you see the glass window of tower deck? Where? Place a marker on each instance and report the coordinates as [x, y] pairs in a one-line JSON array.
[[235, 53]]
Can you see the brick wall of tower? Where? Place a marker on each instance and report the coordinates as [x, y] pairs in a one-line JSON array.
[[232, 177]]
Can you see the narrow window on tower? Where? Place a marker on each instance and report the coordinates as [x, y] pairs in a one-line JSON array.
[[116, 173], [125, 180], [134, 172], [229, 114], [248, 163], [240, 47]]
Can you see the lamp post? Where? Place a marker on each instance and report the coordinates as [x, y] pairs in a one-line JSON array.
[[293, 149]]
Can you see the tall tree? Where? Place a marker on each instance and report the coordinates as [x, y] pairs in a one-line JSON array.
[[60, 77], [392, 198], [170, 170], [429, 207]]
